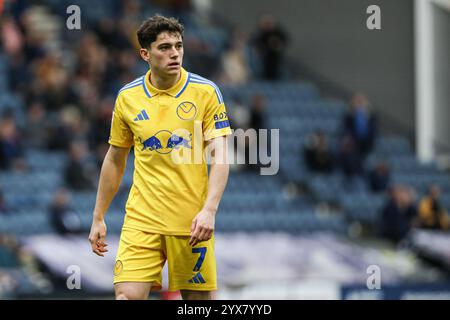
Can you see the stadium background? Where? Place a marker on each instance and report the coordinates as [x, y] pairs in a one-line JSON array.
[[312, 231]]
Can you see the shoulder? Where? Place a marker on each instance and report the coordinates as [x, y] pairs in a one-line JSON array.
[[206, 85], [129, 92], [131, 87]]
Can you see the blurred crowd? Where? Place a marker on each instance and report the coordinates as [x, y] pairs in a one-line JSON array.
[[402, 211], [355, 142], [58, 88], [60, 97], [59, 92]]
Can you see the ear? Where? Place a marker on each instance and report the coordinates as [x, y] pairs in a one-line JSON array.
[[145, 55]]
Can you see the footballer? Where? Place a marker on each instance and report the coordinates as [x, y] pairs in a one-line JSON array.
[[171, 208]]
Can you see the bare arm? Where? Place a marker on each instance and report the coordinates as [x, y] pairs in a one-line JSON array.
[[202, 226], [110, 177], [218, 174]]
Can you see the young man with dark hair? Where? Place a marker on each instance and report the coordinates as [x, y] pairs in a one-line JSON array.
[[170, 213]]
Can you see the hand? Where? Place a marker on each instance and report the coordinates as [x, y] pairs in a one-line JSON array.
[[97, 237], [202, 227]]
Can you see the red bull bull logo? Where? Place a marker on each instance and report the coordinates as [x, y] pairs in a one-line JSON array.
[[165, 141], [184, 147]]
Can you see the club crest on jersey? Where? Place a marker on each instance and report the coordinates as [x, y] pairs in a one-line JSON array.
[[186, 110], [165, 141]]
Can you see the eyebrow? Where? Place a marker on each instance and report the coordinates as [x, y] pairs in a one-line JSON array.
[[169, 44]]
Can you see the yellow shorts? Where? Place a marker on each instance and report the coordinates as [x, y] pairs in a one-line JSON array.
[[141, 257]]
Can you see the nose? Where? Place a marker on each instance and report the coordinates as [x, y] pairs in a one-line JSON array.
[[174, 53]]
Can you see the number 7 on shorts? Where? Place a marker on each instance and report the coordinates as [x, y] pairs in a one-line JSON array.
[[202, 252]]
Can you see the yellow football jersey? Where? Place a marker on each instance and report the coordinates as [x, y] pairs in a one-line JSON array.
[[166, 194]]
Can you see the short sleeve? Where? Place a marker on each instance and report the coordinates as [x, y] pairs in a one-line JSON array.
[[121, 134], [215, 119]]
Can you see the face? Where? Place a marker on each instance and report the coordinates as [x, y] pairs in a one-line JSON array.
[[435, 192], [165, 55], [359, 102]]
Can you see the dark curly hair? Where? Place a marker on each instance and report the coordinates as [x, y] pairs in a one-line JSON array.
[[152, 27]]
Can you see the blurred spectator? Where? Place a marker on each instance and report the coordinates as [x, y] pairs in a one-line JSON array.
[[78, 174], [99, 133], [235, 68], [349, 158], [203, 10], [8, 261], [3, 208], [379, 177], [317, 153], [11, 36], [200, 57], [101, 123], [19, 75], [398, 214], [239, 117], [58, 136], [257, 122], [131, 12], [34, 40], [35, 132], [109, 33], [361, 124], [257, 107], [270, 42], [177, 8], [63, 218], [432, 215], [68, 125], [11, 150], [13, 46], [252, 119], [8, 285], [53, 86], [239, 114], [181, 6], [92, 57]]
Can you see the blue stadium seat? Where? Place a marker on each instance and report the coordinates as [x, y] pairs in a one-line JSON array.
[[7, 258]]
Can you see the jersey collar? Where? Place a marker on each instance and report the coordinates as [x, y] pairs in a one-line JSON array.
[[174, 91]]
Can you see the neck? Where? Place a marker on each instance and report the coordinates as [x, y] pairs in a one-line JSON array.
[[163, 82]]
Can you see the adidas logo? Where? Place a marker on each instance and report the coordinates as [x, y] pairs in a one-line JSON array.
[[141, 116], [197, 279]]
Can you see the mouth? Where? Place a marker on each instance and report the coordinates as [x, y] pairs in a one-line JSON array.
[[174, 65]]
